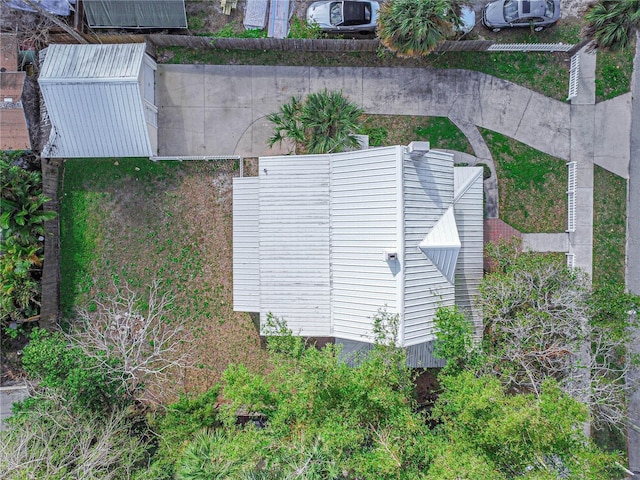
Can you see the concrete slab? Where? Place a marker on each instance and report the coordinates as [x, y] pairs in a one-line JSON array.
[[587, 77], [181, 131], [222, 137], [180, 85], [272, 87], [390, 93], [545, 242], [545, 126], [612, 134], [227, 86], [584, 207], [348, 80], [502, 105]]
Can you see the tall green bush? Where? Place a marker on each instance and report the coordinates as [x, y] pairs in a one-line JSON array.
[[21, 243]]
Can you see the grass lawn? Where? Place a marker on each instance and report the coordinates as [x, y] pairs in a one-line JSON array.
[[440, 132], [545, 73], [609, 226], [135, 220], [613, 72], [532, 185]]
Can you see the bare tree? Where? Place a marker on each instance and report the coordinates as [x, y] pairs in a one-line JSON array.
[[139, 346], [54, 441], [539, 323]]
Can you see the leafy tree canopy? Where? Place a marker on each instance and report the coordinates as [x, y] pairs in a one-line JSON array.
[[314, 416], [612, 23], [416, 27]]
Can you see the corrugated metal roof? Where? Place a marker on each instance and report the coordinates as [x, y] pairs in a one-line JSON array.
[[326, 221], [135, 13], [92, 62], [93, 99], [294, 242], [246, 259], [468, 210]]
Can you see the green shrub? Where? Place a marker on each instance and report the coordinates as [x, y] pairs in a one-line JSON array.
[[50, 359], [21, 242], [177, 427], [300, 29]]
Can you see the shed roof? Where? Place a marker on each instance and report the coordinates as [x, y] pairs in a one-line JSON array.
[[135, 13], [94, 100], [92, 62]]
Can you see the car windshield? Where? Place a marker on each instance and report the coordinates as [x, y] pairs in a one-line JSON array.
[[335, 13], [551, 7], [510, 10]]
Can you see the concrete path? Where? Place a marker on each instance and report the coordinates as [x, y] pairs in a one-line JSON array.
[[8, 396], [582, 152], [220, 109]]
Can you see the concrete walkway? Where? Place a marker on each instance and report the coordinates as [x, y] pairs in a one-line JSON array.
[[220, 109]]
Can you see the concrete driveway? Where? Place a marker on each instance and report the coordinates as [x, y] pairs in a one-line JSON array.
[[221, 109]]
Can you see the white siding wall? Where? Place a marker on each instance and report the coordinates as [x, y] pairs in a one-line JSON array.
[[469, 217], [428, 192], [294, 242], [246, 266], [363, 224]]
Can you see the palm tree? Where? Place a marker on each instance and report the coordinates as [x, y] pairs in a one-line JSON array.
[[611, 22], [416, 27], [325, 122]]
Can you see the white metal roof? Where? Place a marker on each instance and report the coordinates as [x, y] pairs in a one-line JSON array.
[[92, 62], [442, 245], [325, 223], [93, 97]]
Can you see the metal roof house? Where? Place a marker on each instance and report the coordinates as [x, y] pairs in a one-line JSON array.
[[326, 241], [135, 13], [14, 134], [100, 100]]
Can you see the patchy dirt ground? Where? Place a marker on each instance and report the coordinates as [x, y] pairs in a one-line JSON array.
[[170, 222]]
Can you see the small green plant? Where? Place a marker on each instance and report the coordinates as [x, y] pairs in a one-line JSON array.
[[230, 30], [377, 135], [298, 28]]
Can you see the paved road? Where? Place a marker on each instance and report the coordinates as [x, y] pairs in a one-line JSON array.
[[633, 251]]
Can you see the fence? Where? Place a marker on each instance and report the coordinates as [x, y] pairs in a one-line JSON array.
[[574, 76], [530, 47], [571, 261], [303, 44], [571, 197]]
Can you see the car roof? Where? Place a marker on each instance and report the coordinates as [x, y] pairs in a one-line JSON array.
[[355, 11], [532, 8]]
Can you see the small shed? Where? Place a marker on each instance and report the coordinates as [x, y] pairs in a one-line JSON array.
[[14, 134], [135, 13], [326, 241], [100, 100]]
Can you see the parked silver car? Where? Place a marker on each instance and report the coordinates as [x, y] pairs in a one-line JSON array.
[[536, 14], [344, 16]]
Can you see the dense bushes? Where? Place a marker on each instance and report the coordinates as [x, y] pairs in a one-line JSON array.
[[21, 243]]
